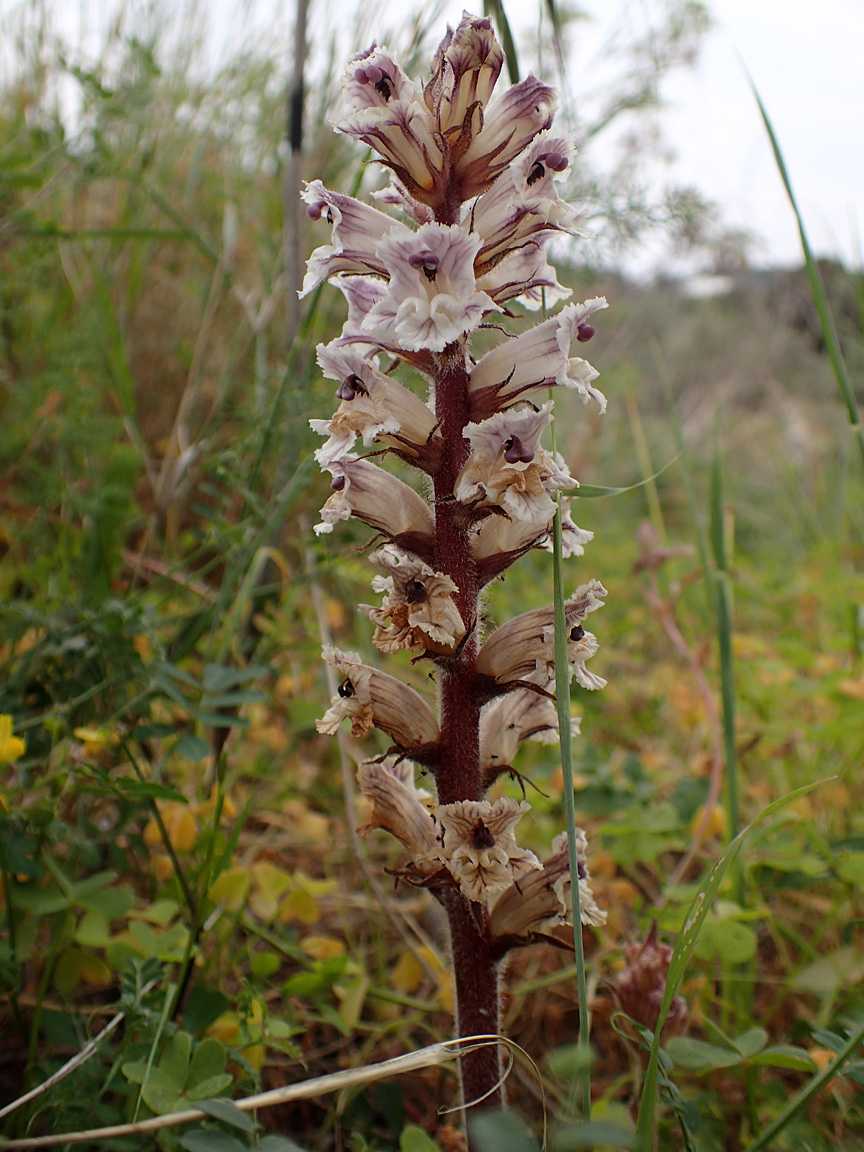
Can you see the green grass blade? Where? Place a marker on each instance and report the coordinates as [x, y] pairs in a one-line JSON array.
[[817, 289], [562, 703], [598, 491], [495, 10], [723, 606], [681, 954]]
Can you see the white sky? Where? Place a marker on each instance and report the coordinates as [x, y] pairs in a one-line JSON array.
[[806, 59]]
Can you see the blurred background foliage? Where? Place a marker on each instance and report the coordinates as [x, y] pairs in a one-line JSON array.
[[174, 843]]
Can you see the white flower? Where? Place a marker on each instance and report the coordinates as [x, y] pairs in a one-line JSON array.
[[524, 647], [377, 498], [508, 469], [397, 805], [536, 359], [511, 720], [465, 70], [523, 203], [418, 612], [373, 79], [372, 406], [369, 698], [403, 133], [478, 845], [502, 131], [543, 900], [357, 228], [525, 275], [431, 299]]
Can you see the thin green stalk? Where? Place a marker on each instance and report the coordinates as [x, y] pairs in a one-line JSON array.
[[817, 290], [188, 895], [562, 701], [723, 608], [163, 1020]]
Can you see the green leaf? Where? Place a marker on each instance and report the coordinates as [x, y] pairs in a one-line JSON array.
[[192, 747], [207, 1140], [41, 901], [112, 903], [699, 1056], [149, 790], [593, 1134], [134, 1071], [219, 678], [785, 1056], [235, 699], [160, 912], [681, 954], [174, 1061], [221, 719], [264, 964], [493, 1131], [162, 1093], [93, 931], [203, 1006], [734, 942], [228, 1112], [414, 1139], [84, 888], [273, 1143], [212, 1086], [209, 1060], [751, 1041], [568, 1061], [827, 975], [817, 289]]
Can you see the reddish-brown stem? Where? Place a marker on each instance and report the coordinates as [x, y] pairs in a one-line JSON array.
[[458, 775]]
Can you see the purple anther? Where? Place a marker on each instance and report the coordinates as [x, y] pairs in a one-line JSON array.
[[361, 75], [557, 161], [584, 333], [516, 452], [426, 260], [314, 211], [350, 386], [374, 74], [415, 592], [481, 837], [337, 483]]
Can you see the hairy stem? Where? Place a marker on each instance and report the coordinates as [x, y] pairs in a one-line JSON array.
[[459, 776]]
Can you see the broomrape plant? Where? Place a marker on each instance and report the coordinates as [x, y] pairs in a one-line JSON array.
[[473, 180]]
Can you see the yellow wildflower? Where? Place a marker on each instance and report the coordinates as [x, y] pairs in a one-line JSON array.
[[11, 747]]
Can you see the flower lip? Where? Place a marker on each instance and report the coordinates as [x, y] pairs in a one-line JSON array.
[[478, 845]]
